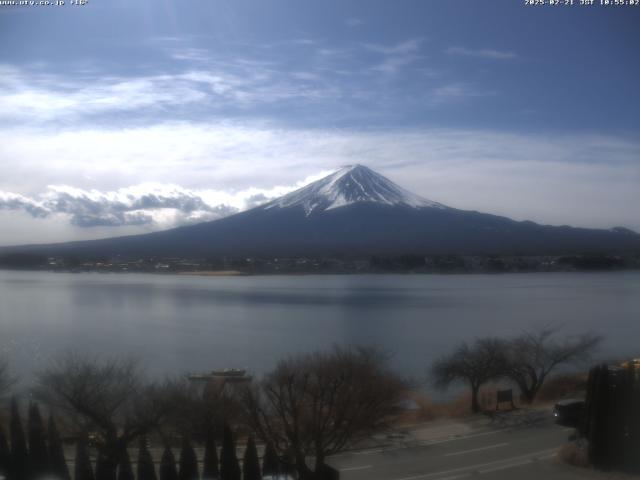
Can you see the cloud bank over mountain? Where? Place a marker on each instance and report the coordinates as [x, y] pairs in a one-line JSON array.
[[157, 205], [166, 175]]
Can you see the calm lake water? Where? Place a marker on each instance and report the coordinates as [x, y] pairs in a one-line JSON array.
[[185, 323]]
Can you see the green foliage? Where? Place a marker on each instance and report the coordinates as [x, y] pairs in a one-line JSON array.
[[168, 470], [229, 466], [5, 454], [612, 417], [19, 451], [125, 470], [188, 462], [146, 470], [251, 463], [270, 461], [38, 454], [106, 467], [210, 470]]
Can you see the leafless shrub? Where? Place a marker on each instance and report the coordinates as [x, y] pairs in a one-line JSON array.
[[533, 355], [316, 405], [106, 397], [475, 364]]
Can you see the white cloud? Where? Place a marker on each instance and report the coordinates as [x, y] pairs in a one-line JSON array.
[[149, 204], [190, 54], [408, 46], [139, 205], [27, 95], [173, 173], [395, 57], [482, 53], [455, 92]]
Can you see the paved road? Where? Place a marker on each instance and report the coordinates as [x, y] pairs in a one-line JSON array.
[[495, 452]]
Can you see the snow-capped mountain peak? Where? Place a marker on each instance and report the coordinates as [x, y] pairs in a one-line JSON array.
[[348, 185]]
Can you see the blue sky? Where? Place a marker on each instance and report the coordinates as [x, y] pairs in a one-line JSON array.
[[123, 117]]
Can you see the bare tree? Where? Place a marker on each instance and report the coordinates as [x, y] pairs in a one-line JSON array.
[[318, 404], [197, 412], [475, 364], [105, 397], [534, 354]]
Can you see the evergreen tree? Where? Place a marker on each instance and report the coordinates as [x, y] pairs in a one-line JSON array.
[[229, 466], [288, 464], [125, 470], [210, 470], [19, 451], [251, 463], [270, 462], [5, 454], [146, 470], [612, 424], [37, 443], [598, 410], [168, 469], [634, 421], [57, 463], [83, 470], [106, 467], [188, 462]]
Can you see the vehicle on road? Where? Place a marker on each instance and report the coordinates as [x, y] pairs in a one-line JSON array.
[[569, 412]]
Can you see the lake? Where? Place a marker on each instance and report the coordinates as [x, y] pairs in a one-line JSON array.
[[180, 323]]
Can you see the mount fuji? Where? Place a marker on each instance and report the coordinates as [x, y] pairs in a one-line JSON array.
[[349, 185], [354, 211]]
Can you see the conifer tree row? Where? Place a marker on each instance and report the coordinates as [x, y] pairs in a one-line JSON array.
[[612, 417]]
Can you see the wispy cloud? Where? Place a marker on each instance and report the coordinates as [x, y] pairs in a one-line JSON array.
[[395, 57], [457, 91], [408, 46], [481, 53], [353, 22], [190, 54], [27, 95]]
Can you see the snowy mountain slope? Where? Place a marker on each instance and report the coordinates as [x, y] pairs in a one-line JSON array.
[[353, 211], [349, 185]]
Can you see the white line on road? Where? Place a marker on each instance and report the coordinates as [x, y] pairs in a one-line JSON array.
[[350, 469], [507, 461], [488, 447], [516, 464], [420, 443]]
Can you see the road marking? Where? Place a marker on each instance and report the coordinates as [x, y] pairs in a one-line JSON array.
[[462, 437], [420, 443], [517, 464], [502, 463], [350, 469], [497, 445]]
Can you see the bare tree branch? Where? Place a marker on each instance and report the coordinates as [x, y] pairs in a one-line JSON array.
[[104, 396], [475, 364], [318, 404], [533, 355]]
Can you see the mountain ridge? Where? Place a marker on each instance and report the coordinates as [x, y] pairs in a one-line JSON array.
[[353, 211]]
